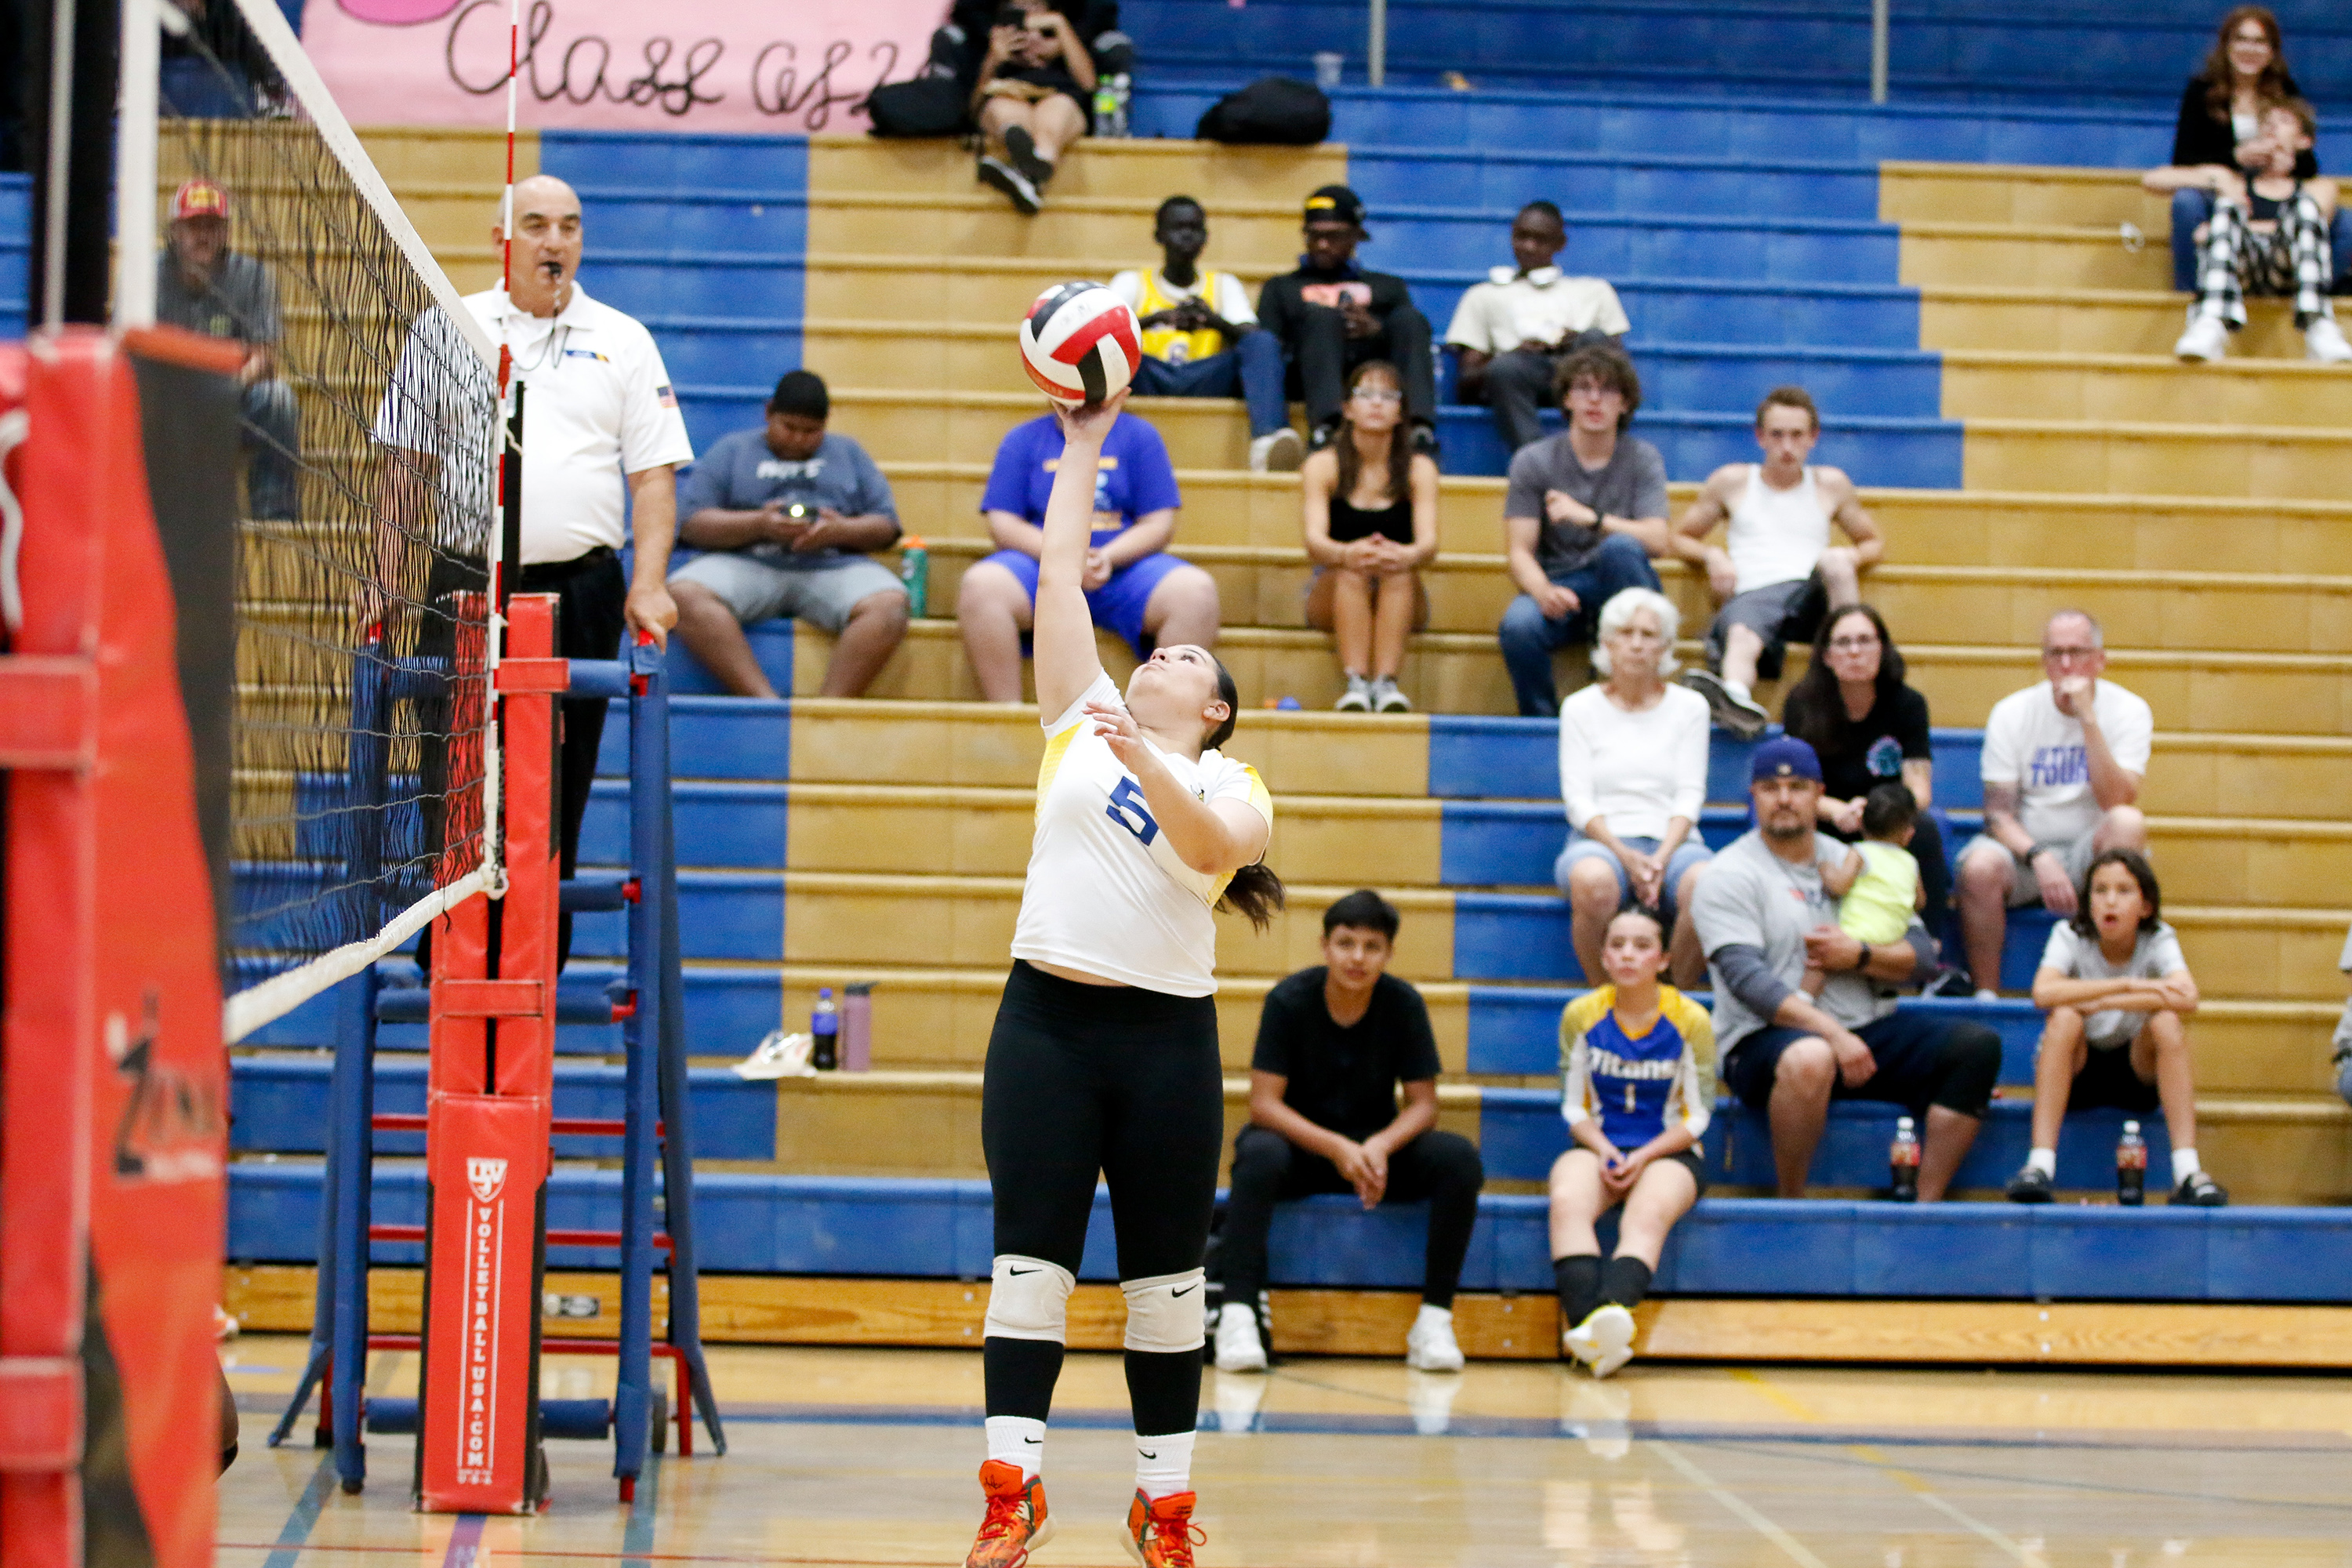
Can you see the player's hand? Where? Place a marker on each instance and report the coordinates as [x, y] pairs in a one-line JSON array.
[[1721, 575], [1561, 507], [2057, 890], [1355, 1165], [650, 609], [1856, 1066], [1097, 570], [1557, 602], [1089, 424], [1121, 732]]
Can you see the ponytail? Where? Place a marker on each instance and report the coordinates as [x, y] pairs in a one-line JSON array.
[[1256, 892]]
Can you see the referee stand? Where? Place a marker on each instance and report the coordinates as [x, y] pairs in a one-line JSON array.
[[489, 1118]]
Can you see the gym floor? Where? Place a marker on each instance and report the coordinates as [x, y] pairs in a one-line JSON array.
[[863, 1458]]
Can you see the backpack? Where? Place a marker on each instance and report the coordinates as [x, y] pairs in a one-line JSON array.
[[1275, 109], [926, 106]]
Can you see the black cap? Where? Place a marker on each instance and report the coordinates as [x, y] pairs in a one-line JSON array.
[[1334, 203]]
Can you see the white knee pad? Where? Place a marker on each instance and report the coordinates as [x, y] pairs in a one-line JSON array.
[[1163, 1312], [1028, 1298]]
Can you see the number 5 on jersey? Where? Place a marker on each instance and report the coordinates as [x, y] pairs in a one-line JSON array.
[[1127, 809]]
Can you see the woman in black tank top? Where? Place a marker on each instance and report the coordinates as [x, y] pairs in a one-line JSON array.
[[1369, 506]]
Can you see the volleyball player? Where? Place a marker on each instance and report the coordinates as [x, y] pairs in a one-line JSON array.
[[1104, 1056]]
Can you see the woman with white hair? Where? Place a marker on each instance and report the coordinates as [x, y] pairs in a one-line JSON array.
[[1632, 772]]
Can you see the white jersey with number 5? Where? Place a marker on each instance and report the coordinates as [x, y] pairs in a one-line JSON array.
[[1106, 892]]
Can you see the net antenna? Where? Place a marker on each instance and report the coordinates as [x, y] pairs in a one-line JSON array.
[[365, 800]]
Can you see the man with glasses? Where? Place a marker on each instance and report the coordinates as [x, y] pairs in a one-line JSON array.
[[2062, 764], [1331, 315]]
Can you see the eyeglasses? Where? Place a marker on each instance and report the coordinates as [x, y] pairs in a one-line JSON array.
[[1376, 395], [2069, 655], [1851, 645]]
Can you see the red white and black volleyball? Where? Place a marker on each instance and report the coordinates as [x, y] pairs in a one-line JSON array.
[[1080, 343]]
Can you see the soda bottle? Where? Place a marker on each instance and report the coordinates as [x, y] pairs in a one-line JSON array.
[[2131, 1167], [1903, 1161], [915, 570], [825, 1032]]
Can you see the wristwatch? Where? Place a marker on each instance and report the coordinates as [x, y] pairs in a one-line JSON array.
[[2041, 849]]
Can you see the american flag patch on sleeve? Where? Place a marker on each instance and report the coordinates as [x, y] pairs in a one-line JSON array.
[[668, 398]]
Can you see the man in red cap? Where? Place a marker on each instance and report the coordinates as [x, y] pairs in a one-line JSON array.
[[203, 285]]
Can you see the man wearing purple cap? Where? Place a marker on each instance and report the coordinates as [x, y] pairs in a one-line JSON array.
[[1763, 917]]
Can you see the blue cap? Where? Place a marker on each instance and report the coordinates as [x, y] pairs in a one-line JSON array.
[[1784, 756]]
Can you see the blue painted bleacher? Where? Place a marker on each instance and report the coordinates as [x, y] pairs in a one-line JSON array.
[[15, 251]]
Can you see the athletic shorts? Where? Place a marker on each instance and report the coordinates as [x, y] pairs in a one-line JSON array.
[[1690, 1160], [1119, 605], [1779, 613], [1922, 1061], [2024, 887], [2107, 1082], [758, 590], [1690, 852]]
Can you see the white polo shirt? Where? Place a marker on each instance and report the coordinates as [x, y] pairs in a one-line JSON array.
[[1544, 306], [600, 405]]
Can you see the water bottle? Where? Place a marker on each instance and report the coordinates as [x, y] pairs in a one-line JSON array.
[[2131, 1167], [1903, 1161], [1111, 95], [825, 1030], [915, 570], [858, 1026]]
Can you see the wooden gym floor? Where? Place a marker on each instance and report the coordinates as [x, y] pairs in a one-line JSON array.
[[857, 1456]]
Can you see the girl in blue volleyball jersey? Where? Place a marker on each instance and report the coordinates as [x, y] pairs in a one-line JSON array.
[[1637, 1061]]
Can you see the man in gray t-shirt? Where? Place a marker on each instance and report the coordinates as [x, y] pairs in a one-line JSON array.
[[1587, 510], [203, 286], [1763, 917]]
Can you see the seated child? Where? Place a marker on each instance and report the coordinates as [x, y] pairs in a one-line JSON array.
[[2268, 235], [2116, 990], [1637, 1061], [1878, 888]]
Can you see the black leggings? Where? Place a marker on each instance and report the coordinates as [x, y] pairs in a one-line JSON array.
[[1115, 1080]]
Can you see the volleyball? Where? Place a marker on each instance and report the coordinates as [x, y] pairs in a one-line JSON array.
[[1080, 343]]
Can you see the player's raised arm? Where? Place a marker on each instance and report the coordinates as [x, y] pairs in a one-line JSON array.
[[1063, 631]]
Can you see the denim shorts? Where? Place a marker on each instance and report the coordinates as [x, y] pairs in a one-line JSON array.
[[1690, 852]]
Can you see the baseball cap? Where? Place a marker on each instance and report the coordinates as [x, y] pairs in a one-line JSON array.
[[1784, 756], [199, 198], [1334, 203]]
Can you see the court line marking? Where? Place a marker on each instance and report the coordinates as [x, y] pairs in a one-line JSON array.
[[296, 1532], [1770, 1532], [637, 1538], [465, 1541]]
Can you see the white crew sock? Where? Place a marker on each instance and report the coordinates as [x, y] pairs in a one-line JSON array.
[[2044, 1161], [1017, 1440], [1163, 1464], [2185, 1165]]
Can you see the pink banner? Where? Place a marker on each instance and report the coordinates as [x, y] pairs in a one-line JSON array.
[[624, 64]]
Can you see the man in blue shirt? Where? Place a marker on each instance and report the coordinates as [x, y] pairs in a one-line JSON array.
[[785, 516], [1134, 587]]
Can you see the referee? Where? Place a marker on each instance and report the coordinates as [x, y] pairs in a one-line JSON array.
[[600, 419]]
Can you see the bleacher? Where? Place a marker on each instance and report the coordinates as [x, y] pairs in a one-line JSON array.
[[1948, 274]]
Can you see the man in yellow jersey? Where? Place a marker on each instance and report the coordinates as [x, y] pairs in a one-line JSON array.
[[1200, 339]]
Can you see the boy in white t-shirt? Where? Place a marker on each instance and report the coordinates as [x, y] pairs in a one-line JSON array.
[[1508, 332], [2117, 992], [2062, 764]]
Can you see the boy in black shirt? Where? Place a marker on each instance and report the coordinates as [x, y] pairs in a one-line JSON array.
[[1333, 1044], [1331, 316]]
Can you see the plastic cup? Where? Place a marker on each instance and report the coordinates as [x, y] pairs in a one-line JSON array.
[[1327, 67]]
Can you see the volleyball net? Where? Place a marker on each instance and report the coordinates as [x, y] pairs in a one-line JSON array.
[[363, 799]]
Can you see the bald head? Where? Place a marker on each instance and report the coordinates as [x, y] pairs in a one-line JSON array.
[[545, 256]]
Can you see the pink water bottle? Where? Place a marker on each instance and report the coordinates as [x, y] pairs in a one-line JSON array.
[[858, 1026]]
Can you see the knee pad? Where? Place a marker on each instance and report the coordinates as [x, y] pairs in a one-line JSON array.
[[1028, 1298], [1163, 1312]]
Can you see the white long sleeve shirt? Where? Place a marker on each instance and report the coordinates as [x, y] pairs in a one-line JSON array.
[[1634, 771]]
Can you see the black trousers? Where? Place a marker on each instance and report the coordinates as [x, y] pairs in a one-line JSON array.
[[1117, 1082], [1441, 1167], [591, 592], [1322, 354]]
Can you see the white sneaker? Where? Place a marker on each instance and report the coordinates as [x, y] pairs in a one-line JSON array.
[[1730, 705], [1429, 1344], [1986, 993], [1238, 1347], [779, 1056], [2208, 337], [1278, 452], [2323, 343], [1387, 698], [1604, 1342], [1356, 699]]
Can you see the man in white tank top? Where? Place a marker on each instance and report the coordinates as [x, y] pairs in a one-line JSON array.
[[1776, 573]]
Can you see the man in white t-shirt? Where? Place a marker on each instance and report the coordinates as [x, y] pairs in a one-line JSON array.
[[2062, 764], [601, 431], [1200, 339], [1507, 332]]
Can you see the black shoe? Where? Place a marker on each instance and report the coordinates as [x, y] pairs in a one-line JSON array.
[[1004, 177], [1743, 715], [1950, 982], [1425, 439], [2030, 1186], [1022, 151], [2200, 1191]]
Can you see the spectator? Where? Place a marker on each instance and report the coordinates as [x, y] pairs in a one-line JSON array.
[[2063, 763], [2268, 235], [1334, 1045], [1369, 502], [1133, 585], [2117, 993], [1200, 339], [787, 517], [203, 285], [1763, 917], [1878, 889], [1637, 1069], [1585, 512], [2220, 134], [1032, 98], [1331, 315], [1509, 330], [2340, 1047], [1632, 772], [1776, 573], [1869, 727]]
